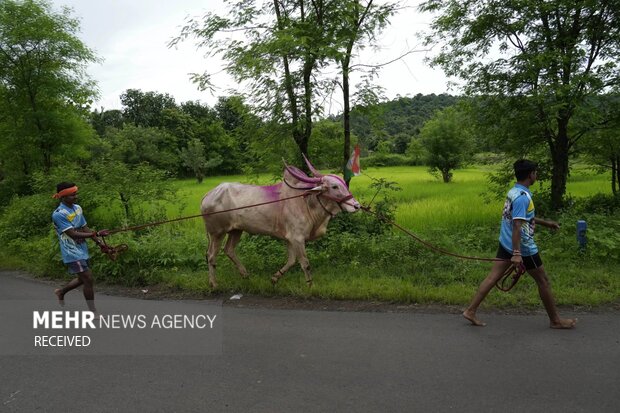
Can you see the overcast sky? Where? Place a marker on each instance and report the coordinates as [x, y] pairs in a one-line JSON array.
[[132, 36]]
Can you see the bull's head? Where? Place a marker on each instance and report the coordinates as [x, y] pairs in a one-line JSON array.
[[331, 187]]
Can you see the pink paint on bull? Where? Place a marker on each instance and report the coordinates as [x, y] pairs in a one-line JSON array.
[[272, 191], [295, 220]]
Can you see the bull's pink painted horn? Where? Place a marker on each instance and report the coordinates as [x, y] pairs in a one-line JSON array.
[[300, 176], [314, 171]]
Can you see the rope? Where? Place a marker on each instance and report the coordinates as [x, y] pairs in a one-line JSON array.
[[156, 223], [513, 271], [112, 252]]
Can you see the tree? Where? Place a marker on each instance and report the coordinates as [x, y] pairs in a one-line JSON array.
[[180, 124], [194, 159], [217, 141], [139, 189], [231, 111], [547, 57], [604, 152], [44, 89], [416, 152], [135, 145], [354, 22], [446, 141], [145, 108], [101, 120], [324, 150], [273, 47], [602, 146], [197, 110]]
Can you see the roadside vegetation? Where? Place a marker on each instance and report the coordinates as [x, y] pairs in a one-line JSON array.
[[442, 163], [360, 258]]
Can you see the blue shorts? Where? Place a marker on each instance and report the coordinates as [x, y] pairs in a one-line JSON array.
[[78, 266]]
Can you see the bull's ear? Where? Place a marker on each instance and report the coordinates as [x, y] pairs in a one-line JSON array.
[[319, 188]]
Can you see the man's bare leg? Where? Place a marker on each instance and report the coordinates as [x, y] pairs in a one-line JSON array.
[[60, 292], [89, 292], [498, 269], [61, 296], [544, 290]]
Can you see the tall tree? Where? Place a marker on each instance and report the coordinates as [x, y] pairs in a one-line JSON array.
[[354, 22], [44, 89], [275, 47], [547, 56]]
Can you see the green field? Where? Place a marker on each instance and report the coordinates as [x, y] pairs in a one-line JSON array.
[[423, 201]]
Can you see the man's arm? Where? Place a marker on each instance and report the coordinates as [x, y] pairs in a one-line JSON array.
[[548, 224], [516, 241], [82, 233]]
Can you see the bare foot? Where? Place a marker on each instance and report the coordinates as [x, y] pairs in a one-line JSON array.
[[61, 296], [471, 317], [564, 324]]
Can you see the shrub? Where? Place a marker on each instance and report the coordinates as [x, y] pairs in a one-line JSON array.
[[606, 204], [26, 217], [387, 159]]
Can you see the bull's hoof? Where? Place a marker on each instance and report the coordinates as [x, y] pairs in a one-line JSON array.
[[213, 285], [309, 282], [274, 280]]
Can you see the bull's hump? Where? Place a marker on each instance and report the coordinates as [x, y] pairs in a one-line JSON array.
[[272, 191], [234, 194]]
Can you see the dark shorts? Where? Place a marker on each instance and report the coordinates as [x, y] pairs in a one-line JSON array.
[[77, 267], [531, 261]]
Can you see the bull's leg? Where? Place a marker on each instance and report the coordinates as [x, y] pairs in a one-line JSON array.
[[300, 251], [214, 247], [289, 263], [231, 243]]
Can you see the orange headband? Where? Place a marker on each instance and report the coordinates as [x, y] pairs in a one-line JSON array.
[[66, 192]]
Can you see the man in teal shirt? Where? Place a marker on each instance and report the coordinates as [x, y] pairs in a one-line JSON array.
[[73, 232], [517, 246]]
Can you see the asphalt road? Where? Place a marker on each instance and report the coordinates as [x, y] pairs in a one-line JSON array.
[[323, 361]]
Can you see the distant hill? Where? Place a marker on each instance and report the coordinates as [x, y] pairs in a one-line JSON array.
[[397, 120]]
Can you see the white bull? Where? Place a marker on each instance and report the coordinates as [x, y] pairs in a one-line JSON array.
[[295, 220]]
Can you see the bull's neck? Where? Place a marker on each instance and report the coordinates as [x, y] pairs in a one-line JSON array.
[[319, 214]]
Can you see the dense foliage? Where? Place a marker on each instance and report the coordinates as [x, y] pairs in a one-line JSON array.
[[540, 62], [43, 92]]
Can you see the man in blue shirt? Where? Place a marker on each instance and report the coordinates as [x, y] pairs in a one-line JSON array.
[[517, 246], [73, 232]]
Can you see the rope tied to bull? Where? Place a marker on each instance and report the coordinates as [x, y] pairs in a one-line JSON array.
[[514, 271], [112, 252]]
